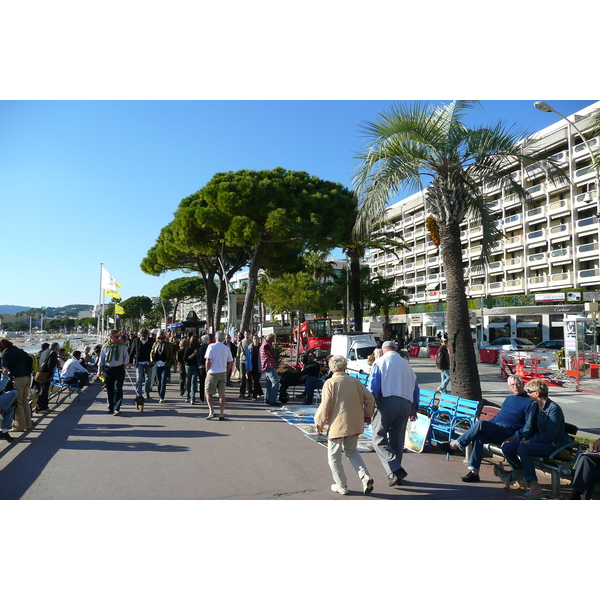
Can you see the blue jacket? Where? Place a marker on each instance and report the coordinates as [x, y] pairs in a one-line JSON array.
[[249, 358], [546, 425]]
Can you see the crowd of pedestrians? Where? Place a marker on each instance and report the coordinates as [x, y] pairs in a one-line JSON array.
[[528, 425]]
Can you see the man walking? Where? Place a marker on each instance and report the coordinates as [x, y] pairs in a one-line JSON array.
[[140, 357], [394, 385], [269, 367], [246, 376], [114, 356], [218, 363]]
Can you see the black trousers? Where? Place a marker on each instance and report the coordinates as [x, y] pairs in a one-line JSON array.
[[246, 380], [115, 376], [256, 388], [587, 474]]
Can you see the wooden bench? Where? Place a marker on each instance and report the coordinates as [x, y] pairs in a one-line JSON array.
[[452, 413], [559, 465]]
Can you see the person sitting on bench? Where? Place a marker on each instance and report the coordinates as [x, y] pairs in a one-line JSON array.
[[543, 433], [311, 369], [73, 369], [587, 474], [511, 418]]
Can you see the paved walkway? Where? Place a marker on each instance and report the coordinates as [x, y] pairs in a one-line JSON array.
[[170, 451]]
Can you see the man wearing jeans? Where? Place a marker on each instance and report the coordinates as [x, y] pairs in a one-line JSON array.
[[218, 363], [269, 367], [394, 385], [510, 419], [162, 356], [140, 357]]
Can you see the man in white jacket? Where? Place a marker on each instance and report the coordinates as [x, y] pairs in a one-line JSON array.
[[394, 385]]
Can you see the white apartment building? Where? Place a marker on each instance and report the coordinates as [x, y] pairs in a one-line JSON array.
[[543, 249]]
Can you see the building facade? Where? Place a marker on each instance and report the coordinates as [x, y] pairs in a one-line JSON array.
[[550, 245]]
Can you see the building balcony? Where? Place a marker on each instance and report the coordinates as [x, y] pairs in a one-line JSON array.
[[536, 215], [560, 256], [475, 251], [496, 287], [476, 232], [538, 282], [584, 174], [419, 217], [587, 250], [560, 232], [536, 238], [476, 289], [495, 266], [561, 279], [513, 285], [512, 263], [582, 149], [559, 207], [513, 222], [536, 191], [513, 242], [589, 276], [589, 224]]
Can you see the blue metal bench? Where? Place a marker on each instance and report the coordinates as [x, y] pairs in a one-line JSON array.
[[452, 413], [427, 401], [71, 384]]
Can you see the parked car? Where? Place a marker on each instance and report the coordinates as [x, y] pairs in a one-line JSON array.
[[511, 344], [555, 345], [426, 341]]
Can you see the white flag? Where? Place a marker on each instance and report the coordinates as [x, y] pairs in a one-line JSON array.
[[107, 281]]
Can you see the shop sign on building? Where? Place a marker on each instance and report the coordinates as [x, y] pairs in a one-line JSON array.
[[551, 297]]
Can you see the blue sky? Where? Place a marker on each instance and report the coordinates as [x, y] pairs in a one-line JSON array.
[[90, 182]]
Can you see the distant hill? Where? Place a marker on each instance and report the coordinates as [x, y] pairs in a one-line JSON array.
[[10, 309], [71, 310]]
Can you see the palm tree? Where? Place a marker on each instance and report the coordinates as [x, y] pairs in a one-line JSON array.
[[421, 142], [381, 294]]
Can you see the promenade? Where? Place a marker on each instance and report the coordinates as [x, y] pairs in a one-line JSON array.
[[171, 452]]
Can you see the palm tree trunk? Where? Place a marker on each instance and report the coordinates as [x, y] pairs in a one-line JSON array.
[[355, 292], [463, 363]]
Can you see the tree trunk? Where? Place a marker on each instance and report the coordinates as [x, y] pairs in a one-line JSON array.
[[220, 301], [463, 361], [355, 292], [248, 309]]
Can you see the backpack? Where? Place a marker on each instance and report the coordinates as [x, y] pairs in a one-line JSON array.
[[33, 363]]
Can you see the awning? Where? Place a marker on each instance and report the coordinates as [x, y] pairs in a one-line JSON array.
[[433, 286], [536, 245], [529, 324], [498, 325]]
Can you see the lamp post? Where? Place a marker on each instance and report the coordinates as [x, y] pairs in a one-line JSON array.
[[545, 107]]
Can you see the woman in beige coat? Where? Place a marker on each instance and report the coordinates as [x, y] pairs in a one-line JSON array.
[[346, 405]]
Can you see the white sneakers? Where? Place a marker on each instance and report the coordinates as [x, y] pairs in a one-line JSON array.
[[339, 489]]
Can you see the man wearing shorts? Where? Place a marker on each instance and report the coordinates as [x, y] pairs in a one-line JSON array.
[[218, 362]]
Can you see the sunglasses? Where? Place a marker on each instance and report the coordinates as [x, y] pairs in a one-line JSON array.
[[529, 391]]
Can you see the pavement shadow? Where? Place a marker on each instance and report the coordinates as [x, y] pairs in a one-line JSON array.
[[56, 431]]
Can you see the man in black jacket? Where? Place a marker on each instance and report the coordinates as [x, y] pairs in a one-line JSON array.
[[48, 362], [18, 362], [139, 355]]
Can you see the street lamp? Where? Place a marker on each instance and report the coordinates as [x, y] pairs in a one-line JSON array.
[[545, 107]]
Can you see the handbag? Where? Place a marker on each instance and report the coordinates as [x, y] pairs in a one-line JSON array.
[[41, 377]]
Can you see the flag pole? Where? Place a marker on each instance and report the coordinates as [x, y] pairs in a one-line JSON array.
[[100, 325]]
